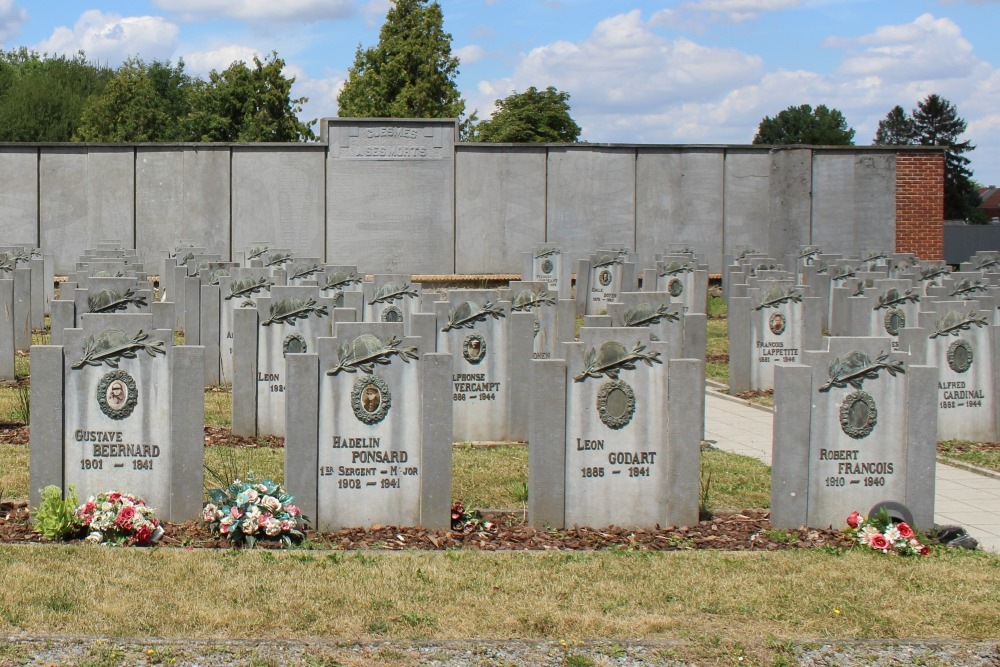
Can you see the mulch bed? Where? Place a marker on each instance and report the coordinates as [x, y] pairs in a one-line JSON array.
[[754, 393], [749, 530]]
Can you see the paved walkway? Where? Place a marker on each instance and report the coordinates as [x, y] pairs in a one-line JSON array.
[[964, 498]]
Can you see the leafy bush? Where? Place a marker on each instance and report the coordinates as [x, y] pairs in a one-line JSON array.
[[54, 518]]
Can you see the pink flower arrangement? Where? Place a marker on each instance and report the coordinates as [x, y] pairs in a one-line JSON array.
[[246, 512], [118, 518], [879, 533]]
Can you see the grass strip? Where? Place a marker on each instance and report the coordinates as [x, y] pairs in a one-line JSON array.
[[467, 594]]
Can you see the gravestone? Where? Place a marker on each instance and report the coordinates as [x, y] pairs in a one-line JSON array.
[[769, 327], [960, 338], [854, 426], [304, 270], [7, 348], [684, 332], [600, 279], [390, 298], [554, 317], [369, 432], [614, 434], [490, 349], [123, 410], [883, 310], [287, 321], [683, 280], [219, 301], [546, 264]]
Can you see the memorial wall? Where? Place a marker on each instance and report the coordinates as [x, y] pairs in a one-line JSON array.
[[403, 196]]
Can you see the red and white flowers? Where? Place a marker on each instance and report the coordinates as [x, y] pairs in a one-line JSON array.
[[880, 533], [118, 518]]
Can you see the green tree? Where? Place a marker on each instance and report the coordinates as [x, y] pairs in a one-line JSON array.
[[532, 116], [896, 129], [247, 104], [410, 73], [935, 122], [803, 125], [42, 97], [141, 102]]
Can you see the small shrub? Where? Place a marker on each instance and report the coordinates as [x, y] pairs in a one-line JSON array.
[[54, 518]]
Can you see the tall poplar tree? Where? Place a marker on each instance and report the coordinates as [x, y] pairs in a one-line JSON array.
[[410, 73]]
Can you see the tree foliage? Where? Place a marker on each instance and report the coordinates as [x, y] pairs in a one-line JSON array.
[[896, 129], [804, 125], [43, 97], [532, 116], [247, 104], [935, 122], [142, 102], [410, 73]]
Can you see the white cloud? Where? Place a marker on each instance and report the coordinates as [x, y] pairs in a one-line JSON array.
[[690, 14], [11, 18], [260, 10], [623, 68], [110, 39], [322, 94], [375, 11], [469, 54], [929, 48], [200, 63]]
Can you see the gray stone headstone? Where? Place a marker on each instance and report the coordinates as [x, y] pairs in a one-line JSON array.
[[614, 432], [547, 264], [288, 321], [369, 429], [391, 298], [124, 411], [853, 426]]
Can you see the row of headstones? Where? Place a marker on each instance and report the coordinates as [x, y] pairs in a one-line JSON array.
[[858, 414], [371, 424], [26, 291], [369, 417]]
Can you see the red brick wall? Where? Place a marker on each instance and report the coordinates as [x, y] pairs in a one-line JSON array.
[[920, 203]]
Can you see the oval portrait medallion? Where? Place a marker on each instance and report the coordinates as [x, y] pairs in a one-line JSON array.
[[370, 399], [776, 323], [858, 414], [959, 356], [547, 266], [117, 394], [392, 314], [474, 348], [604, 277], [675, 287], [615, 404], [895, 319], [294, 344]]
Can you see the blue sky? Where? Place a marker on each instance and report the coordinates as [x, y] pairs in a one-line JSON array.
[[684, 71]]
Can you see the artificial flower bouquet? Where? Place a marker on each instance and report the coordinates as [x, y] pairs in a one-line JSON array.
[[245, 512], [118, 518], [880, 533]]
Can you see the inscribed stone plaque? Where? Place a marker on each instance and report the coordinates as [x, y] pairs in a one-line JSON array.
[[777, 333]]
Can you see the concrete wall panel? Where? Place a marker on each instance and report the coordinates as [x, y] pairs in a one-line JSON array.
[[875, 201], [278, 197], [499, 206], [182, 194], [791, 187], [87, 195], [390, 195], [19, 195], [679, 201], [833, 221], [747, 200], [590, 199]]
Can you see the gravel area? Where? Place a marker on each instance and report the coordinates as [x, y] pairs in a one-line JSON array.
[[605, 653]]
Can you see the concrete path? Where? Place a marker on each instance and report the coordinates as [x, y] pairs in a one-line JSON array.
[[961, 497]]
